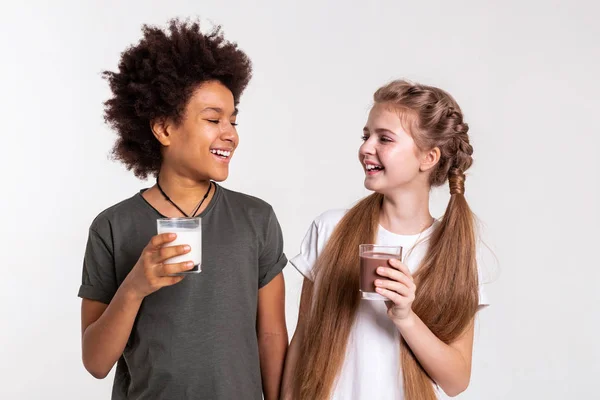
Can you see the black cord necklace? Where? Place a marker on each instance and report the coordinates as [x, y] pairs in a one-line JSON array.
[[177, 207]]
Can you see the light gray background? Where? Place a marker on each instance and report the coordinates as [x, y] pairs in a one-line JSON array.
[[524, 72]]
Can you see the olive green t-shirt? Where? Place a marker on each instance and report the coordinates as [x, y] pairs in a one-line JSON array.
[[195, 339]]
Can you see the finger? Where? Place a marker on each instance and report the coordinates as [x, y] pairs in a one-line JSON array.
[[400, 266], [170, 251], [395, 275], [176, 268], [159, 240], [391, 295], [394, 286]]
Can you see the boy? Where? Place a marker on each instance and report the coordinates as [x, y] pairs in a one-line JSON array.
[[219, 334]]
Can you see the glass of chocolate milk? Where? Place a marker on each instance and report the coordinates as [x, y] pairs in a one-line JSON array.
[[188, 231], [373, 256]]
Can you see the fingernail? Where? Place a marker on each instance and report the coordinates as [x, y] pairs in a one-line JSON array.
[[377, 282], [380, 269], [186, 247], [189, 264]]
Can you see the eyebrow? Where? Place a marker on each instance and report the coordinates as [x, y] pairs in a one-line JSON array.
[[220, 110], [379, 131]]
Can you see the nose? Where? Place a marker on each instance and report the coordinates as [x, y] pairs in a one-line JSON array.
[[229, 133], [367, 148]]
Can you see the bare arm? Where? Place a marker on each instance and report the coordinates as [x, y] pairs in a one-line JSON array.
[[105, 329], [449, 365], [294, 350], [271, 331]]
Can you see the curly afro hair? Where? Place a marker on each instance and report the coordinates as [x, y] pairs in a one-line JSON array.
[[156, 79]]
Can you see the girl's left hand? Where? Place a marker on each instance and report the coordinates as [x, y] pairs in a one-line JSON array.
[[399, 288]]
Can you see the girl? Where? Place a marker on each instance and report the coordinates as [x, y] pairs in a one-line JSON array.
[[421, 338]]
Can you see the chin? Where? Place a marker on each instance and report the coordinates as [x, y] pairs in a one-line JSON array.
[[377, 187], [219, 177], [373, 186]]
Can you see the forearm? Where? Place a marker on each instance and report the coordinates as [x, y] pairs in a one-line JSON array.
[[272, 349], [290, 366], [444, 364], [104, 340]]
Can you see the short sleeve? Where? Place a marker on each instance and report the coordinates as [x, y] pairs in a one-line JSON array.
[[483, 297], [485, 260], [99, 280], [304, 262], [272, 259]]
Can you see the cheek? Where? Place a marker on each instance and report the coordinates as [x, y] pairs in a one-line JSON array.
[[202, 139], [400, 162], [391, 155]]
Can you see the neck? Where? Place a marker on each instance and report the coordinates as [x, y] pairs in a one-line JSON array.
[[183, 191], [406, 212]]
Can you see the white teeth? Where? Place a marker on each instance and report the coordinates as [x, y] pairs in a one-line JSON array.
[[221, 153], [370, 167]]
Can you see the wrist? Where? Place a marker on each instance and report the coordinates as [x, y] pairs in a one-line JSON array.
[[406, 323], [130, 293]]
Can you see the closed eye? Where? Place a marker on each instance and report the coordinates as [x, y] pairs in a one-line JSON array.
[[383, 139], [216, 122]]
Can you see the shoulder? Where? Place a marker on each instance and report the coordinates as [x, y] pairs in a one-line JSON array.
[[244, 199], [104, 220], [330, 218], [323, 225], [251, 207]]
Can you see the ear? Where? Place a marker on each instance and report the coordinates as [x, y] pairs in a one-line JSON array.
[[429, 159], [161, 129]]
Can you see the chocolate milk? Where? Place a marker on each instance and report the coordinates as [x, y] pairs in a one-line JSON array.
[[369, 262]]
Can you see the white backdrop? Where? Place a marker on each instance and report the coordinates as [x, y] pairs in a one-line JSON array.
[[524, 72]]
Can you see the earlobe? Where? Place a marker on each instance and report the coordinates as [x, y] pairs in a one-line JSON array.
[[160, 130], [430, 159]]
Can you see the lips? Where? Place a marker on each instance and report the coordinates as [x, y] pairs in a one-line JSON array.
[[222, 155], [225, 153], [372, 168]]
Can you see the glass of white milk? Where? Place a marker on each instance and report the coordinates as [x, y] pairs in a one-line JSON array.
[[188, 231]]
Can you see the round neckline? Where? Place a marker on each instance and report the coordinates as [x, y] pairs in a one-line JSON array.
[[424, 233], [208, 208]]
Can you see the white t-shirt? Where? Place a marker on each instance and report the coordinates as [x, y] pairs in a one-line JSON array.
[[371, 368]]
